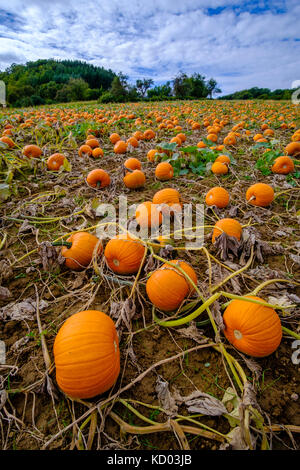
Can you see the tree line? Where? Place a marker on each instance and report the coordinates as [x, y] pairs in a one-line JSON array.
[[256, 93], [49, 81]]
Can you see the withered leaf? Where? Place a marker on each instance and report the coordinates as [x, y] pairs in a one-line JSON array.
[[165, 397], [200, 402]]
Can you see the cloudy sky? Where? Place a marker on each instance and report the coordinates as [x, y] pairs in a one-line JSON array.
[[241, 44]]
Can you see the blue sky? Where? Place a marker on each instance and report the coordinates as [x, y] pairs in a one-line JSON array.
[[241, 44]]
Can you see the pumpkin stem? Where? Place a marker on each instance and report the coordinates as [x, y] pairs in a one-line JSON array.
[[62, 243]]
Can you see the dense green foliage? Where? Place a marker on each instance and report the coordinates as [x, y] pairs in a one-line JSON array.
[[50, 81], [260, 94]]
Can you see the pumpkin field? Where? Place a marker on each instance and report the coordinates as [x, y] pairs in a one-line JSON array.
[[149, 343]]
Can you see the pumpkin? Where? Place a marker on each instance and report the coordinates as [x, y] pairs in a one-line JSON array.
[[93, 143], [32, 151], [120, 147], [230, 226], [114, 138], [252, 328], [260, 194], [133, 164], [167, 287], [164, 171], [133, 141], [97, 152], [8, 141], [86, 354], [223, 159], [151, 154], [283, 165], [293, 148], [123, 254], [217, 196], [78, 249], [55, 161], [219, 168], [147, 215], [170, 197], [149, 134], [134, 180], [85, 150], [98, 178]]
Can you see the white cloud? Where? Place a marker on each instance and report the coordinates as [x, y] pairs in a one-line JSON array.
[[237, 47]]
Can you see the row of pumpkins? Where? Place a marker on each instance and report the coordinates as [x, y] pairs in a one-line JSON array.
[[83, 371]]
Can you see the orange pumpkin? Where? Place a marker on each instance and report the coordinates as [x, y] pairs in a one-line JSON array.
[[8, 141], [230, 226], [167, 287], [293, 149], [120, 147], [98, 178], [123, 254], [97, 152], [78, 249], [170, 197], [217, 196], [149, 134], [86, 354], [283, 165], [133, 164], [219, 168], [223, 159], [252, 328], [147, 215], [260, 194], [32, 151], [114, 138], [93, 143], [134, 180], [85, 150], [164, 171], [55, 161]]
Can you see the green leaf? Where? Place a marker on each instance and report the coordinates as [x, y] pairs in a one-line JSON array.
[[3, 145], [67, 165], [5, 191]]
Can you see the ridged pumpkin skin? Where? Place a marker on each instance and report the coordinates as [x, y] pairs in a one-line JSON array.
[[283, 165], [133, 164], [217, 196], [55, 161], [147, 215], [32, 151], [80, 254], [167, 287], [86, 354], [134, 180], [252, 328], [124, 255], [262, 194], [98, 178], [230, 226], [219, 168], [170, 197], [164, 171], [293, 148]]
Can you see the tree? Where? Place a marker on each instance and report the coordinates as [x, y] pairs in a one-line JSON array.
[[143, 85], [160, 92], [212, 87], [181, 86]]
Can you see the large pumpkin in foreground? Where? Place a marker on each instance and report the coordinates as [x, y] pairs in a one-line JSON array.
[[86, 354], [252, 328]]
